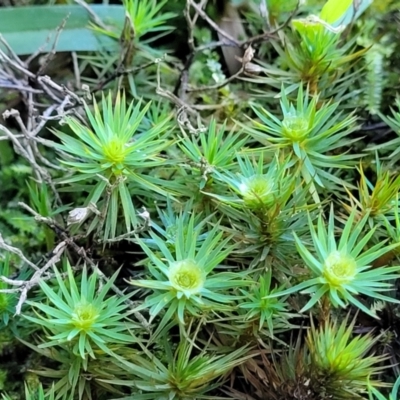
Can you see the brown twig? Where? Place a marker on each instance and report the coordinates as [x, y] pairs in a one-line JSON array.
[[248, 56], [212, 24], [50, 55], [76, 69], [269, 35], [97, 20], [25, 286], [21, 149], [121, 71], [181, 88], [18, 252], [25, 149]]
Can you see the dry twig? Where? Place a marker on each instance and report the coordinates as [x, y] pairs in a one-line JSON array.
[[181, 87], [25, 286]]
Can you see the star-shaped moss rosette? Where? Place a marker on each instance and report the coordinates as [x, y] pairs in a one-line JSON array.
[[341, 361], [312, 135], [342, 270], [212, 150], [143, 17], [165, 225], [257, 185], [184, 372], [377, 198], [184, 279], [111, 158], [270, 313], [83, 317]]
